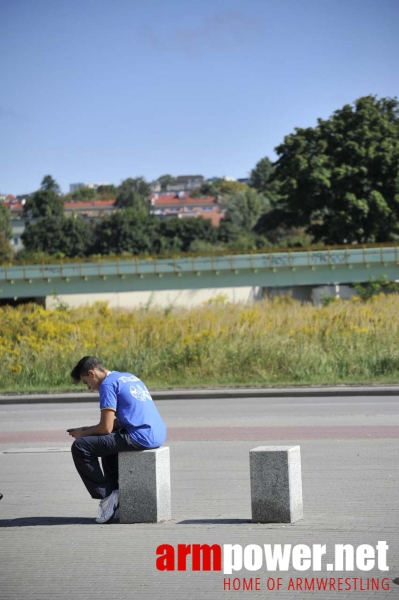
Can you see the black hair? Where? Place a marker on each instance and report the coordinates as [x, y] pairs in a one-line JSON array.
[[86, 364]]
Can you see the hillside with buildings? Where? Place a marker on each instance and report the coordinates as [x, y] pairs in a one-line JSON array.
[[87, 201]]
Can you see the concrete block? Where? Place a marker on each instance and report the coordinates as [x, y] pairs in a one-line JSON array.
[[276, 484], [144, 486]]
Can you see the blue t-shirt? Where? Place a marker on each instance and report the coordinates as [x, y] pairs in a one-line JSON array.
[[134, 407]]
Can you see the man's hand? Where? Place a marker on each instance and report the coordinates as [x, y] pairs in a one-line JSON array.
[[104, 427], [78, 432]]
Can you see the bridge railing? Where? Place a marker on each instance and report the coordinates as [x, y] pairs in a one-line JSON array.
[[260, 260]]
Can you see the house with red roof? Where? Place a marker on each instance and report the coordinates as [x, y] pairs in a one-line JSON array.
[[163, 205], [182, 205], [95, 209]]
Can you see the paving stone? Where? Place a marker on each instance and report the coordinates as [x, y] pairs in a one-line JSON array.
[[50, 546]]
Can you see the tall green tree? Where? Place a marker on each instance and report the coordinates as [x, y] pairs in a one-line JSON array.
[[261, 175], [340, 179], [82, 194], [133, 193], [128, 230], [70, 236], [6, 252], [245, 208], [5, 222], [184, 234], [46, 202], [50, 184], [166, 180], [107, 191]]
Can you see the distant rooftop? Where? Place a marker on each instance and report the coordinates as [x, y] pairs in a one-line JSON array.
[[188, 178]]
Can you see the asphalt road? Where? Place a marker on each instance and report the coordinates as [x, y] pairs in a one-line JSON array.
[[220, 419]]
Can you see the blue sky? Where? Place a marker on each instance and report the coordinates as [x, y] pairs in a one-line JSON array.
[[102, 90]]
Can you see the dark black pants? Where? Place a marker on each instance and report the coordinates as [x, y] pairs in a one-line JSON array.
[[87, 450]]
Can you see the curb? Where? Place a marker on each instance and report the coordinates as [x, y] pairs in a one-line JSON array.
[[159, 395]]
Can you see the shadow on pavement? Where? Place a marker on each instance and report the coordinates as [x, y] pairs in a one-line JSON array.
[[214, 521], [31, 521]]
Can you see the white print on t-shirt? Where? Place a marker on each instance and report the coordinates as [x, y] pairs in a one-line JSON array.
[[130, 378], [140, 393]]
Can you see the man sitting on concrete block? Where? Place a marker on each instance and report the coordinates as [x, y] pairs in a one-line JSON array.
[[129, 421]]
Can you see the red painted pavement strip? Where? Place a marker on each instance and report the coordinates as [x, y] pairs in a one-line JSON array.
[[281, 433], [209, 434]]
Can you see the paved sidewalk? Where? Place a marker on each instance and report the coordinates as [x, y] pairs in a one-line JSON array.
[[208, 393], [51, 548]]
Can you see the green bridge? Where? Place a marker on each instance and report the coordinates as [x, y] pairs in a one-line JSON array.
[[267, 269]]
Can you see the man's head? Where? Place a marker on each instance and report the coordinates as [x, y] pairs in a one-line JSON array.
[[89, 371]]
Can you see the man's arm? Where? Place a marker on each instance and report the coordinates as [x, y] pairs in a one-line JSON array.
[[82, 428], [105, 426]]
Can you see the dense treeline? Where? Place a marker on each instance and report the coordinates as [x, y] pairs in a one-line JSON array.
[[335, 183]]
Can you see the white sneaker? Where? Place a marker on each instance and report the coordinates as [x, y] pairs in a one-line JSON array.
[[108, 507], [100, 507]]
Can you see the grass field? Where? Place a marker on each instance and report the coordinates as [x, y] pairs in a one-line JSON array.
[[279, 342]]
